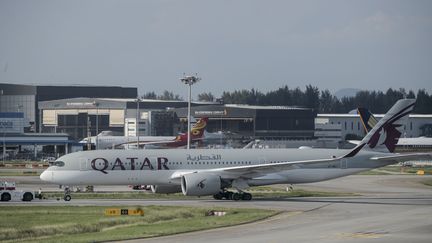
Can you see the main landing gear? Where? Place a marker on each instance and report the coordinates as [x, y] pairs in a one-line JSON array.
[[227, 195]]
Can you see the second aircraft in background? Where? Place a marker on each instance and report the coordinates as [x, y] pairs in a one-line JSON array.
[[129, 142]]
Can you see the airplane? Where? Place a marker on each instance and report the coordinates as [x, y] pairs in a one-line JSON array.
[[419, 144], [110, 142], [205, 172]]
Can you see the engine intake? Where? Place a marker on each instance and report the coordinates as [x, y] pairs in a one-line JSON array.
[[200, 184]]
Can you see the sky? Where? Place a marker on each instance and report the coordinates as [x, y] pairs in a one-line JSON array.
[[231, 45]]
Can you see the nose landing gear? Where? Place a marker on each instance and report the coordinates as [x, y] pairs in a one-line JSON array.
[[67, 194]]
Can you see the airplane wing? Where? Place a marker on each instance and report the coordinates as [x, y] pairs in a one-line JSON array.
[[252, 171], [404, 157]]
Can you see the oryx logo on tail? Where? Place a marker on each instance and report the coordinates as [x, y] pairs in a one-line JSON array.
[[389, 129]]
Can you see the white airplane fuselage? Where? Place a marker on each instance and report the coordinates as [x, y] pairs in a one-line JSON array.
[[110, 142], [159, 167]]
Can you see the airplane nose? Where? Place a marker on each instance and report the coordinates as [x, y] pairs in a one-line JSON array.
[[45, 176]]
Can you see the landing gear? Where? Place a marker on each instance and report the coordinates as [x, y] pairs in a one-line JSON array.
[[67, 194], [236, 196], [67, 198], [246, 196]]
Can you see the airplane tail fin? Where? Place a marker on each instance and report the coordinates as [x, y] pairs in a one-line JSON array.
[[197, 130], [386, 133], [389, 129], [367, 119]]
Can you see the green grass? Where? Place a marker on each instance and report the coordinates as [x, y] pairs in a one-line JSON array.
[[89, 224], [257, 192], [388, 170], [22, 173], [118, 195], [374, 172], [427, 182], [413, 170], [299, 193]]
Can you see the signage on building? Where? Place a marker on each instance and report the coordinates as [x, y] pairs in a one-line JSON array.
[[6, 124], [11, 122], [11, 125], [211, 113], [80, 104]]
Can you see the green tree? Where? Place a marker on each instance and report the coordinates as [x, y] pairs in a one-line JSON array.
[[149, 95], [167, 95], [206, 96], [312, 97]]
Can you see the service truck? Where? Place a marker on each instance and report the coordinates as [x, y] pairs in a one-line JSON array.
[[8, 192]]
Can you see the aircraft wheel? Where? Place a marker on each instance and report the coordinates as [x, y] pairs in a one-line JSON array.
[[236, 196], [218, 196], [247, 196], [67, 198], [228, 195]]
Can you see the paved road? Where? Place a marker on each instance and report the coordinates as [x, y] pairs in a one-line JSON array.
[[392, 208], [330, 220]]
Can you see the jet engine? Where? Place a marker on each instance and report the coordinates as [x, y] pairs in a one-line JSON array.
[[165, 189], [200, 184]]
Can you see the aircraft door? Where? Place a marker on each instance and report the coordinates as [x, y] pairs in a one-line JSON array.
[[343, 164], [83, 164]]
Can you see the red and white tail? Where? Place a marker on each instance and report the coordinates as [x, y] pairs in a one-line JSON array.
[[197, 130]]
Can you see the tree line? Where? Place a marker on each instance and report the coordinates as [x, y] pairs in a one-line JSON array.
[[322, 101]]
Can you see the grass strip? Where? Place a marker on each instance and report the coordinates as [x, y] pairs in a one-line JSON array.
[[427, 182], [392, 170], [257, 192], [89, 224], [21, 173]]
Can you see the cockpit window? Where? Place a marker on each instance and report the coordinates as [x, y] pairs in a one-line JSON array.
[[58, 163]]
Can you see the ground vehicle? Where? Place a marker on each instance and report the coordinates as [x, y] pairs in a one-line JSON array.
[[8, 192]]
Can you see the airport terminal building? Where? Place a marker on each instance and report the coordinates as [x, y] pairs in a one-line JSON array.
[[25, 98], [265, 122], [82, 111], [82, 117]]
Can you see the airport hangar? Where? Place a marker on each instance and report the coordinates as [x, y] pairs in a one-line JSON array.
[[418, 125], [79, 116]]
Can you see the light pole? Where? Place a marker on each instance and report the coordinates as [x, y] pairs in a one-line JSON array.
[[4, 131], [137, 121], [189, 80], [4, 145], [97, 123]]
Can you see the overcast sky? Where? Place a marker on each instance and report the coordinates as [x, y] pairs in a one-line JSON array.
[[230, 44]]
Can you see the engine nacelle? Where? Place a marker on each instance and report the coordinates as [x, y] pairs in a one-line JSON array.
[[200, 184], [165, 189]]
